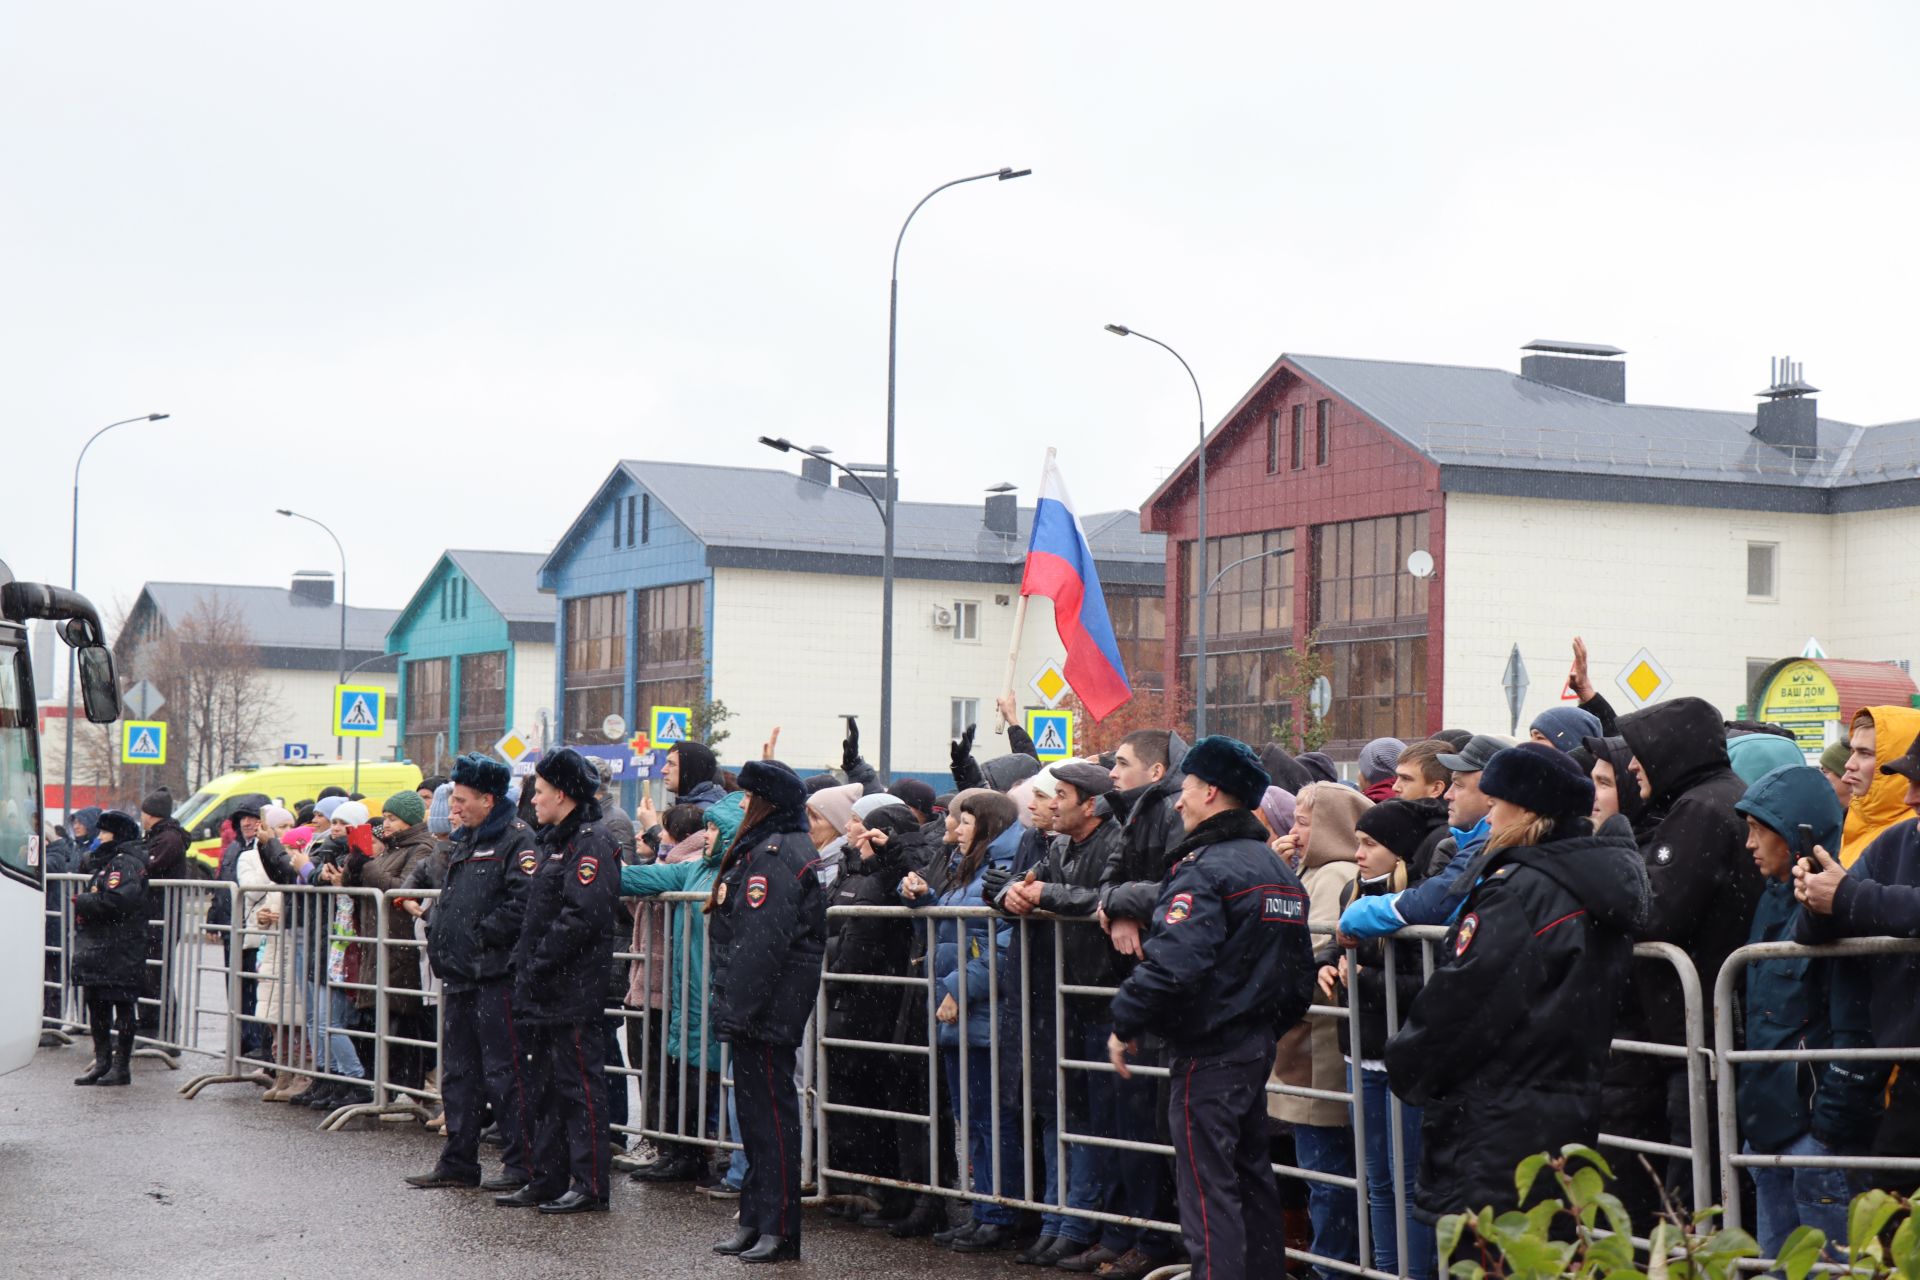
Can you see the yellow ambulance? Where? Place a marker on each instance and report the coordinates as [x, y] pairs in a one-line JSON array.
[[285, 785]]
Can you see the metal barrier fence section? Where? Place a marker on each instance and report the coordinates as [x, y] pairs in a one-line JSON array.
[[901, 1091]]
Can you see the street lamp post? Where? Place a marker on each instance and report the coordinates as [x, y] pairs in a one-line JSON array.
[[339, 744], [73, 583], [1200, 529], [893, 481]]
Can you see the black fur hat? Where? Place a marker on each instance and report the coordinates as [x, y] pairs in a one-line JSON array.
[[1229, 764], [1540, 780], [571, 774], [481, 773], [775, 783], [122, 828]]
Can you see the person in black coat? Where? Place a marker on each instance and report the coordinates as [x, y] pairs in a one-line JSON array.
[[560, 990], [768, 932], [471, 934], [1703, 887], [1506, 1045], [166, 851], [868, 945], [110, 945]]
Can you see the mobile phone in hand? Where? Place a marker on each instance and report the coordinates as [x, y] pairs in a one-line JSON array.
[[1807, 859]]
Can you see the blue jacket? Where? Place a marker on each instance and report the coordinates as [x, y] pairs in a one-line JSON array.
[[1798, 1002], [985, 943], [1434, 900]]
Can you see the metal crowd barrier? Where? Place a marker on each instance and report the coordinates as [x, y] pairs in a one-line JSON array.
[[303, 1000], [1729, 1056]]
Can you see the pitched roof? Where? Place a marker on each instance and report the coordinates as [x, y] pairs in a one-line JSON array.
[[277, 618], [1471, 417], [762, 509], [510, 582]]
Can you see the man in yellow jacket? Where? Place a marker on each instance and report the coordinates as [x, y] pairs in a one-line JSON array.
[[1879, 735]]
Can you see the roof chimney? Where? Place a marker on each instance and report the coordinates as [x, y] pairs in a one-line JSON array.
[[313, 586], [1789, 416], [817, 470], [1003, 510], [1586, 367]]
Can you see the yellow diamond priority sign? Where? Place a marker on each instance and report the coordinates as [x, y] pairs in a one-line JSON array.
[[1643, 679], [1050, 685]]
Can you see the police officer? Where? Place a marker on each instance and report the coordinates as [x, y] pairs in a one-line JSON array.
[[471, 934], [110, 945], [560, 987], [1227, 967], [769, 933]]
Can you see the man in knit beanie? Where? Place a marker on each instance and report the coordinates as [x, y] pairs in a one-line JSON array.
[[1833, 763], [440, 812]]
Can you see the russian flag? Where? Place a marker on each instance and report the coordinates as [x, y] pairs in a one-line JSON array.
[[1060, 567]]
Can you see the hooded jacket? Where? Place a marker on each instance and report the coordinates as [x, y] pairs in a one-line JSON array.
[[1754, 755], [688, 1037], [475, 921], [1880, 897], [1702, 881], [1884, 803], [1309, 1053], [1506, 1044], [1802, 1002]]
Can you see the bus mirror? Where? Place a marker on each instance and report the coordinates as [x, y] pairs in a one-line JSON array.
[[98, 689]]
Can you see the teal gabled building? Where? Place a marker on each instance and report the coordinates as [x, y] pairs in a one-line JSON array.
[[475, 645]]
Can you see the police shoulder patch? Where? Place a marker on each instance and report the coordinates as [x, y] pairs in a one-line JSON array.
[[529, 862], [587, 870], [113, 880], [1464, 938], [1180, 908], [1663, 855], [756, 890]]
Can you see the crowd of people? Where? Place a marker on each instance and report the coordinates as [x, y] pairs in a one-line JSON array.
[[1216, 892]]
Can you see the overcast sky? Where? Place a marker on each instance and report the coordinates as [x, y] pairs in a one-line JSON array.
[[427, 270]]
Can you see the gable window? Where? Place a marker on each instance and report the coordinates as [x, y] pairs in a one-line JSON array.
[[966, 619], [1273, 442], [646, 515], [1297, 455], [1322, 432], [616, 525], [1763, 571], [630, 503]]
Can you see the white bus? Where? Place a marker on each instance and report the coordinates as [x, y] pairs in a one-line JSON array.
[[22, 896]]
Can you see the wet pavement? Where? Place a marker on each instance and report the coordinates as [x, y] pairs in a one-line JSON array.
[[140, 1182]]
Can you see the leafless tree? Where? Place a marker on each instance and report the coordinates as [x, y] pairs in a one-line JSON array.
[[219, 704]]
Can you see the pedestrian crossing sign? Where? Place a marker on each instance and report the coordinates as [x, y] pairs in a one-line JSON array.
[[143, 742], [358, 710], [670, 725], [1052, 734]]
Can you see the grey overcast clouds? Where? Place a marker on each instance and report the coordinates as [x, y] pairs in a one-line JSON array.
[[427, 269]]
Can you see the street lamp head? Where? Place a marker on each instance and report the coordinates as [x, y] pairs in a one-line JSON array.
[[158, 417], [281, 511], [1120, 329], [1007, 175], [782, 444]]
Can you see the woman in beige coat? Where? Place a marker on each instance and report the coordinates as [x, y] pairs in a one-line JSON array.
[[1325, 840]]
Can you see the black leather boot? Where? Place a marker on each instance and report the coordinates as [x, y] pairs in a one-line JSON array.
[[774, 1249], [743, 1239], [120, 1073], [102, 1055]]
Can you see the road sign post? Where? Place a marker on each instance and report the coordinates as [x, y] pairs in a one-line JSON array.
[[143, 742], [1052, 734], [671, 725], [359, 711]]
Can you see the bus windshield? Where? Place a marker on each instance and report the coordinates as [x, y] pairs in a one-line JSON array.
[[19, 767]]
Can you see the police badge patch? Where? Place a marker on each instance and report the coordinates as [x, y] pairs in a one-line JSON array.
[[1663, 855], [113, 880], [1464, 939], [720, 894], [756, 890], [529, 862], [587, 870], [1180, 908]]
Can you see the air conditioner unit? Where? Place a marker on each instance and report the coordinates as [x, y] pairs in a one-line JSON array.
[[942, 618]]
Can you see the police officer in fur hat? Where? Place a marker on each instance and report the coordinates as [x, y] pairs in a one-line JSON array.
[[470, 939], [1227, 967], [559, 990]]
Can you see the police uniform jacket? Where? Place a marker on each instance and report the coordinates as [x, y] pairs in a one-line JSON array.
[[1507, 1043], [560, 962], [1228, 955], [475, 922], [110, 920], [769, 931]]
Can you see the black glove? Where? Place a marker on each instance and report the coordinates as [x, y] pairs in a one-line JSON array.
[[963, 749], [993, 882], [850, 747]]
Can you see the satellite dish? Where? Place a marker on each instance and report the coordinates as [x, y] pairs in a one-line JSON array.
[[1420, 564]]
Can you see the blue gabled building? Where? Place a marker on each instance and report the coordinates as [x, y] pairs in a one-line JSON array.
[[476, 650]]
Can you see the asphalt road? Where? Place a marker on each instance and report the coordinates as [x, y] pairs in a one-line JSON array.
[[139, 1182]]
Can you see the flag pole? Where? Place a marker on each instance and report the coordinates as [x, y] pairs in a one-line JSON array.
[[1020, 610]]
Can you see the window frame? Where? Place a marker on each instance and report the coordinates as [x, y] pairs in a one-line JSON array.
[[960, 719], [1772, 594], [1273, 443], [1297, 452], [1322, 432], [966, 621]]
